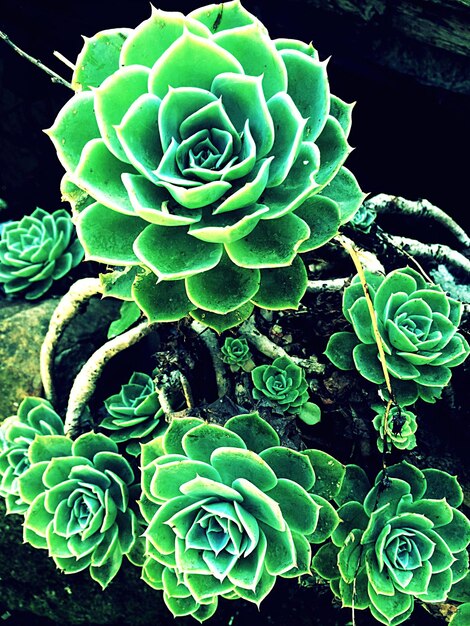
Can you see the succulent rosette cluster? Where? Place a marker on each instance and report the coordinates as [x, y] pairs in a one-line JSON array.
[[37, 250], [401, 541], [396, 429], [214, 155], [235, 352], [364, 218], [134, 414], [229, 510], [78, 504], [418, 324], [35, 416], [284, 384]]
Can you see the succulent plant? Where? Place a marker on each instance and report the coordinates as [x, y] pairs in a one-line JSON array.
[[78, 497], [462, 616], [211, 180], [402, 540], [418, 324], [35, 416], [37, 250], [363, 218], [134, 414], [235, 352], [229, 510], [285, 385], [395, 429]]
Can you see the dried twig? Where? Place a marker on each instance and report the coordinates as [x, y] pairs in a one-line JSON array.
[[85, 382], [210, 340], [327, 285], [54, 77], [432, 251], [68, 307]]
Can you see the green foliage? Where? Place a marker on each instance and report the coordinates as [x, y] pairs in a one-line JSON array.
[[235, 352], [214, 155], [37, 250], [462, 616], [134, 414], [229, 510], [363, 218], [285, 385], [35, 417], [418, 323], [78, 496], [404, 540], [397, 429]]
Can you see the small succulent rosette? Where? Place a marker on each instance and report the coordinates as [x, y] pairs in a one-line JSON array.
[[418, 324], [235, 352], [284, 384], [229, 510], [214, 155], [78, 504], [363, 218], [397, 429], [401, 541], [134, 414], [35, 416], [37, 250]]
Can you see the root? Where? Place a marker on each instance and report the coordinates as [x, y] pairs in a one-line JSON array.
[[68, 307], [435, 252], [327, 285], [85, 383]]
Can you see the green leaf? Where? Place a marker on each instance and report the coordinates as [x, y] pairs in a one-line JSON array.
[[90, 444], [345, 191], [282, 287], [287, 463], [322, 216], [228, 227], [310, 413], [172, 255], [257, 434], [259, 504], [108, 236], [118, 284], [170, 477], [172, 440], [99, 58], [388, 492], [164, 301], [112, 100], [221, 323], [350, 556], [440, 484], [328, 521], [433, 375], [216, 18], [280, 553], [352, 516], [224, 288], [410, 474], [329, 473], [462, 615], [342, 111], [46, 447], [456, 534], [298, 508], [31, 483], [273, 243], [235, 463], [129, 313], [390, 606], [393, 283], [366, 359], [37, 518], [325, 561], [355, 485], [200, 442], [340, 350], [73, 128], [460, 592], [334, 150]]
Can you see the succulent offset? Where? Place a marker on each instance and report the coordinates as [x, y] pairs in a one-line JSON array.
[[235, 352], [134, 414], [35, 416], [401, 541], [284, 384], [364, 218], [78, 504], [229, 510], [418, 324], [397, 429], [37, 250], [214, 155]]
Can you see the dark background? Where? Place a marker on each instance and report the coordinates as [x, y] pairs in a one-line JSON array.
[[411, 139]]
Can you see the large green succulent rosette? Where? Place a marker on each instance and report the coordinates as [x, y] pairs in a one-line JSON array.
[[401, 541], [418, 324], [35, 416], [214, 155], [78, 497], [229, 510]]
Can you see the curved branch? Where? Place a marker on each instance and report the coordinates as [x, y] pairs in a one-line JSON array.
[[420, 209], [68, 307], [85, 382], [435, 251]]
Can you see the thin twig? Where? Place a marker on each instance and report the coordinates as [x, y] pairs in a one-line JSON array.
[[85, 382], [54, 77], [64, 60], [435, 251], [187, 391], [420, 209], [68, 307], [210, 340]]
